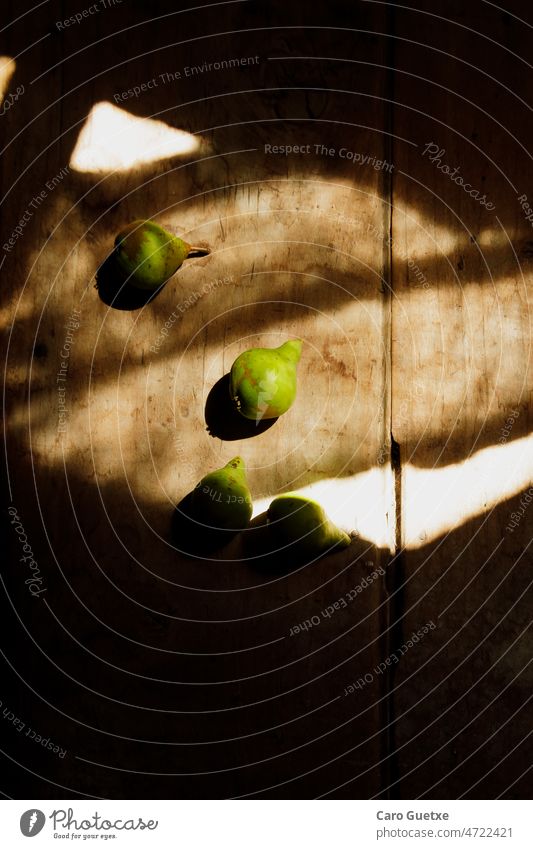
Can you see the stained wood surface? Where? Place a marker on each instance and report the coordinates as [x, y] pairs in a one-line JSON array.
[[177, 676], [462, 401], [169, 676]]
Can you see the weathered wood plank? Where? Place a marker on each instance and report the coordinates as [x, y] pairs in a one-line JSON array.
[[462, 399]]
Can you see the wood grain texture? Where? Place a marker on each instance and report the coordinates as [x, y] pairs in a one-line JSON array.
[[165, 675], [461, 375]]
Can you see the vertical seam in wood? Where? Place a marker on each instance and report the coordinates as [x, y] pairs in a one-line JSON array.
[[395, 573], [392, 611]]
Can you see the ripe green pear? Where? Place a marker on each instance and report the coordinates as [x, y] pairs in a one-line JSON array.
[[301, 523], [263, 380], [149, 255], [222, 498]]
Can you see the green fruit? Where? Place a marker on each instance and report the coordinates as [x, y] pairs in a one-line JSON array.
[[301, 523], [222, 498], [263, 380], [149, 255]]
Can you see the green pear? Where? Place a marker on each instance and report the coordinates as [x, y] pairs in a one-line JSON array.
[[222, 498], [303, 525], [263, 380], [149, 255]]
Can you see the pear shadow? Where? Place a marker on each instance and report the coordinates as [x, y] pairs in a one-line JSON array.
[[191, 536], [115, 291], [223, 419], [261, 552]]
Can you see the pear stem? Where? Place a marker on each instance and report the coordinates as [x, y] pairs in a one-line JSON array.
[[195, 251]]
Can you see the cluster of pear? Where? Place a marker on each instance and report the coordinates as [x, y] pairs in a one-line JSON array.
[[223, 501], [262, 386]]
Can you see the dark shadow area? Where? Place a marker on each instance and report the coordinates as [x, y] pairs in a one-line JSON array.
[[191, 536], [224, 420], [115, 290], [97, 191], [462, 695], [261, 552]]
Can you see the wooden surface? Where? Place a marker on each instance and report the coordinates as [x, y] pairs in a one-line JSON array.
[[169, 676], [462, 369]]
